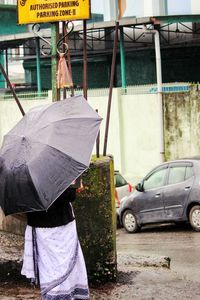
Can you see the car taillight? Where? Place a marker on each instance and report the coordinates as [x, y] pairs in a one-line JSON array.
[[117, 202], [130, 188]]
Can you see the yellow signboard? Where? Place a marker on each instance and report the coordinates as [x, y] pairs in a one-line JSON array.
[[45, 11]]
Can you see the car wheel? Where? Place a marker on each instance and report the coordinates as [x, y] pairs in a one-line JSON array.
[[194, 217], [129, 222]]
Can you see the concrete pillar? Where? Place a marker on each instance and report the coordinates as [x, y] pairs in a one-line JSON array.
[[96, 220]]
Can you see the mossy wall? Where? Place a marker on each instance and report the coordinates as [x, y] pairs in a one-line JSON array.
[[182, 122], [96, 221]]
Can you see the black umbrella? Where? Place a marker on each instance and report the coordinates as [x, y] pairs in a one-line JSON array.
[[45, 152]]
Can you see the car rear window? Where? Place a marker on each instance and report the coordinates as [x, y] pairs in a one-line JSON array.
[[176, 174], [189, 172], [119, 180], [179, 173]]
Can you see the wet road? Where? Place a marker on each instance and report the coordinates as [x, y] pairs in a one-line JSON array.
[[182, 282], [179, 242]]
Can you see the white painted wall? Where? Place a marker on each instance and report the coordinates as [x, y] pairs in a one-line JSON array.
[[154, 8], [146, 8], [10, 114], [140, 140], [133, 137], [110, 8], [195, 7]]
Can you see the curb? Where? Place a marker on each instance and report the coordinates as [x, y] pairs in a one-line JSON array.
[[130, 260]]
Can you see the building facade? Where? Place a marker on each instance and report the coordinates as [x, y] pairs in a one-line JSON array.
[[177, 22]]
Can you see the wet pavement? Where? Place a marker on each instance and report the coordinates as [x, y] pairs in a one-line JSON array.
[[142, 264], [179, 242]]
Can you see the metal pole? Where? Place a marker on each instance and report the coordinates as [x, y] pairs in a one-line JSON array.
[[12, 90], [38, 66], [111, 87], [7, 63], [122, 58], [66, 41], [85, 59], [97, 141], [70, 69], [54, 61]]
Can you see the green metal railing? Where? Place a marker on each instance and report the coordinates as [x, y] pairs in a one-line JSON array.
[[32, 95], [103, 92]]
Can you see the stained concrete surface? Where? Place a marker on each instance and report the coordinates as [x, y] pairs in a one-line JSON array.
[[142, 265], [179, 242]]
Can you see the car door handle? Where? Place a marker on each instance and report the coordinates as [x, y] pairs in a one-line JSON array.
[[157, 195], [187, 188]]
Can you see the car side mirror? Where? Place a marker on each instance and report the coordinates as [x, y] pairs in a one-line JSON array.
[[139, 187]]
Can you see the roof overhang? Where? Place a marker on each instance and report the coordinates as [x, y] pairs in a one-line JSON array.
[[14, 40]]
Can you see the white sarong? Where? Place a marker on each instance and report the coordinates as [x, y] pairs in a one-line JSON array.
[[61, 266]]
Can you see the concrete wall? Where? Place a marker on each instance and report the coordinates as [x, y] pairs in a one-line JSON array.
[[182, 123], [9, 116], [133, 137], [133, 133], [195, 7]]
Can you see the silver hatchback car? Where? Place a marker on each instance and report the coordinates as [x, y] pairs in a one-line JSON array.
[[168, 193]]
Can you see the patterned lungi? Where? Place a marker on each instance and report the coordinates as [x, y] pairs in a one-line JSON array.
[[57, 256]]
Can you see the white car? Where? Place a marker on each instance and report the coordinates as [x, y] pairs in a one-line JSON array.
[[122, 188]]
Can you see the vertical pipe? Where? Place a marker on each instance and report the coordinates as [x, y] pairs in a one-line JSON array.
[[159, 89], [111, 87], [85, 59], [122, 58], [38, 66], [54, 61], [159, 92]]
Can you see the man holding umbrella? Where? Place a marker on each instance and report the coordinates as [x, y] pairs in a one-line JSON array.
[[40, 158]]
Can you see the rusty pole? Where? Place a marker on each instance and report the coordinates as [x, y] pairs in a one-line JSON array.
[[111, 87], [64, 31], [97, 141], [54, 61], [66, 41], [85, 59], [69, 64], [12, 90]]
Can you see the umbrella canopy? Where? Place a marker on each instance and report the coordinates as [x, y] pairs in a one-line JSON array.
[[49, 148]]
